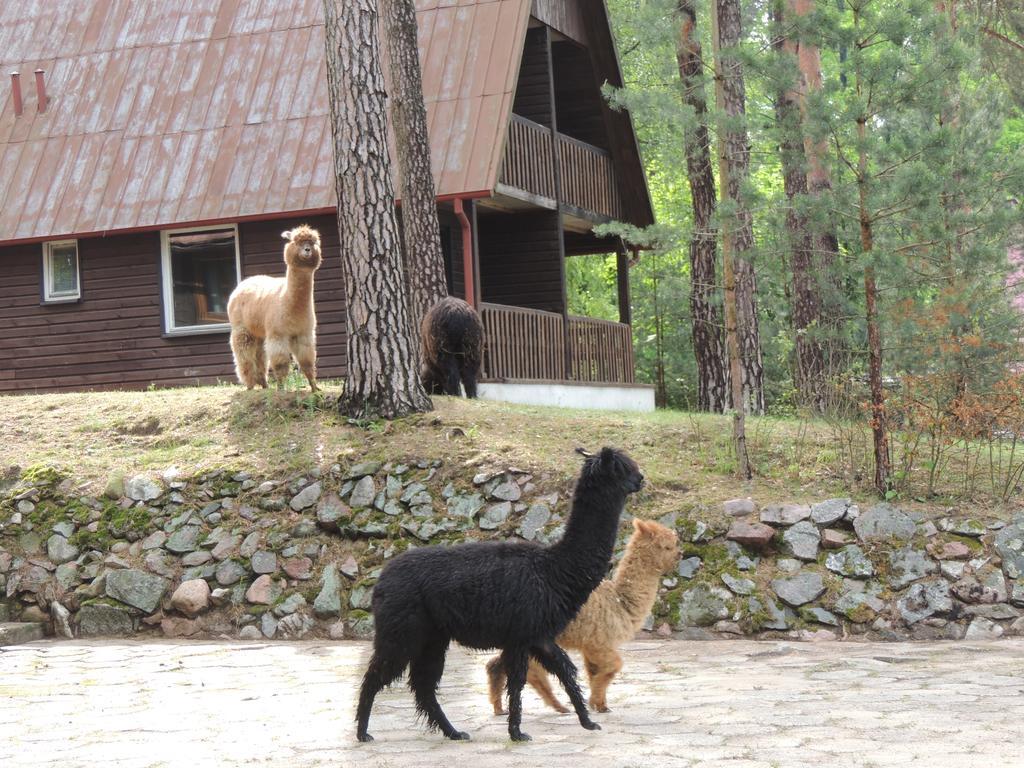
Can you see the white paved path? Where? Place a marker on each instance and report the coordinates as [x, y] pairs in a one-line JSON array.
[[711, 704]]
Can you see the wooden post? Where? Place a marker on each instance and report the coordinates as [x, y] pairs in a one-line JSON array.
[[468, 254], [556, 159], [622, 278]]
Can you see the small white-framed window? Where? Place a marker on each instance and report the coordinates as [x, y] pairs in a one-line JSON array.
[[201, 267], [60, 272]]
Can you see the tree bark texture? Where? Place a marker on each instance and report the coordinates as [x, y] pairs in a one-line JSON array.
[[705, 315], [732, 335], [383, 380], [424, 260], [809, 373], [729, 73]]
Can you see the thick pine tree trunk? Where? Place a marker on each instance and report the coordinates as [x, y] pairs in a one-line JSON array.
[[424, 260], [383, 380], [708, 342], [824, 242], [737, 156], [809, 374], [731, 300]]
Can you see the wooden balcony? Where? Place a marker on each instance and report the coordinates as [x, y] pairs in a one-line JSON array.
[[586, 172], [529, 344]]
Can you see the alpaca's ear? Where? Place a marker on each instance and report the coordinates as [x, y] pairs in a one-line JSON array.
[[583, 452], [286, 235], [607, 456]]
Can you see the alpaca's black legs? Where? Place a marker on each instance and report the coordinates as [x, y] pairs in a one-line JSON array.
[[382, 671], [468, 379], [557, 662], [424, 675], [516, 662]]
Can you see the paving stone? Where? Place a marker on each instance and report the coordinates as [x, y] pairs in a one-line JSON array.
[[703, 605], [909, 565], [821, 616], [328, 601], [850, 561], [829, 512], [466, 505], [136, 588], [495, 515], [16, 633], [264, 562], [60, 550], [801, 540], [923, 600], [537, 516], [738, 585], [983, 629], [770, 615], [183, 540], [859, 607], [103, 621], [155, 540], [229, 572]]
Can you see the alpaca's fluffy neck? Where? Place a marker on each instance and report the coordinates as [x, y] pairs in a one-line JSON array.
[[298, 293], [636, 585], [580, 560]]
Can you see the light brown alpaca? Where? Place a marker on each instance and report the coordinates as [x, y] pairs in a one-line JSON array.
[[272, 318], [611, 616]]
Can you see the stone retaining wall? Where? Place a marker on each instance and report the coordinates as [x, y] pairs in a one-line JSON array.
[[224, 554]]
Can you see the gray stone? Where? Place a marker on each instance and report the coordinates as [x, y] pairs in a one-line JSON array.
[[850, 561], [688, 567], [226, 547], [185, 539], [103, 621], [1017, 594], [1009, 543], [923, 600], [250, 544], [996, 612], [264, 562], [60, 550], [820, 615], [466, 505], [349, 568], [61, 621], [909, 565], [363, 493], [142, 488], [361, 596], [737, 585], [65, 528], [361, 470], [859, 607], [328, 601], [702, 606], [229, 572], [25, 507], [739, 507], [136, 588], [963, 527], [263, 591], [829, 512], [537, 516], [983, 629], [769, 614], [994, 580], [268, 625], [507, 491], [495, 515], [199, 557], [331, 511], [882, 522], [799, 589], [788, 565], [952, 569], [289, 605], [15, 633], [307, 497], [802, 540], [67, 575], [295, 626], [785, 514], [161, 563], [250, 633], [155, 540]]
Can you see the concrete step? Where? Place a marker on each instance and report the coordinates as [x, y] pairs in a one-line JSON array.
[[17, 632]]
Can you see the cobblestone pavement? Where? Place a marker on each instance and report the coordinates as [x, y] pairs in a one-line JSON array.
[[733, 704]]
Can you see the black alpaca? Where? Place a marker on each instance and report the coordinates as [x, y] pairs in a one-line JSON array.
[[452, 347], [514, 596]]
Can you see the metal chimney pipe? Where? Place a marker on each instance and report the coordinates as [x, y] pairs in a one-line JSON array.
[[16, 90], [40, 90]]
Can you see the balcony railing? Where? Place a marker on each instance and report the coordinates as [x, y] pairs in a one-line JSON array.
[[530, 344], [587, 173]]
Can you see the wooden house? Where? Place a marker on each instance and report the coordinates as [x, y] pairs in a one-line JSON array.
[[151, 153]]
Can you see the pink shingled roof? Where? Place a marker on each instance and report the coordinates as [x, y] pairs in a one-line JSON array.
[[165, 113]]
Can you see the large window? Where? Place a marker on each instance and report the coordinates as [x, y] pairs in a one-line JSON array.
[[60, 272], [200, 270]]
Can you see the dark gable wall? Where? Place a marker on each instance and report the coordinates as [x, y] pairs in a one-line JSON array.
[[113, 337], [519, 260]]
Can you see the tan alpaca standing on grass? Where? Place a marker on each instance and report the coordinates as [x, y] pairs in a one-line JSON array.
[[272, 318], [611, 616]]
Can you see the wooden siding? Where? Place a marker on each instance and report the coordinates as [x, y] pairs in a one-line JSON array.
[[566, 16], [113, 339], [520, 260], [533, 89], [578, 97]]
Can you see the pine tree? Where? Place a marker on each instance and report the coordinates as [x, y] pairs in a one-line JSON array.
[[383, 379], [424, 260]]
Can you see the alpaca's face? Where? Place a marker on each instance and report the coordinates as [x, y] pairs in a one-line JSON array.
[[658, 545], [616, 466], [303, 249]]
